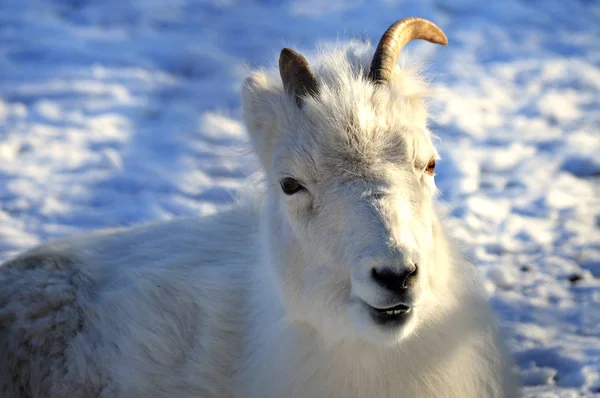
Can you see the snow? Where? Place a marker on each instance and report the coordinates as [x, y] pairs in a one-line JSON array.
[[118, 112]]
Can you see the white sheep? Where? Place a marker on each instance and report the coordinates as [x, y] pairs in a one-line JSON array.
[[334, 280]]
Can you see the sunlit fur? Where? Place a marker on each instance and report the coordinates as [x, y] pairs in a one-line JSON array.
[[268, 298]]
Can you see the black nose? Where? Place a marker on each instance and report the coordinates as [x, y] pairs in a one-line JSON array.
[[395, 280]]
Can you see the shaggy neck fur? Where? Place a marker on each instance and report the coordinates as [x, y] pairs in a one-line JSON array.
[[284, 358]]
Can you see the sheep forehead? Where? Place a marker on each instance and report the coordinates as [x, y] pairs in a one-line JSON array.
[[356, 138], [348, 157], [353, 127]]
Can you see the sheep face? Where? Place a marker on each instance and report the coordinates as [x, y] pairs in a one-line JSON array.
[[349, 221]]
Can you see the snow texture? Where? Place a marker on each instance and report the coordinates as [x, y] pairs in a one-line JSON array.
[[118, 112]]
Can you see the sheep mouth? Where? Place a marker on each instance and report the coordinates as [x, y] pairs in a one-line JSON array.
[[390, 316]]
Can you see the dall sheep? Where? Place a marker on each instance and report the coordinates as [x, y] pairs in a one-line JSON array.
[[334, 280]]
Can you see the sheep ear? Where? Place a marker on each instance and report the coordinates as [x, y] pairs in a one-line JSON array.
[[298, 79], [258, 103]]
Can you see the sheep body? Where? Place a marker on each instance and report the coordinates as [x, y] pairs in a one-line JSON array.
[[193, 307], [91, 317]]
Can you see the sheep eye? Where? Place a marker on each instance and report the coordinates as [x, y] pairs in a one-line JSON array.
[[430, 166], [290, 186]]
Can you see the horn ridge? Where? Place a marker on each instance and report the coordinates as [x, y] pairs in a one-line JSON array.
[[395, 38]]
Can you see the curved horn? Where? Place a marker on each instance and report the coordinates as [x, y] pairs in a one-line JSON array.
[[298, 79], [395, 38]]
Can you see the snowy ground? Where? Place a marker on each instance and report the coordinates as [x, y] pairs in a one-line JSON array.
[[115, 112]]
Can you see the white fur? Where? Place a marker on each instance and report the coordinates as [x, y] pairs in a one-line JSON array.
[[268, 298]]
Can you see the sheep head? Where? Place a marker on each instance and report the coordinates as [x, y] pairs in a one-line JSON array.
[[349, 165]]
